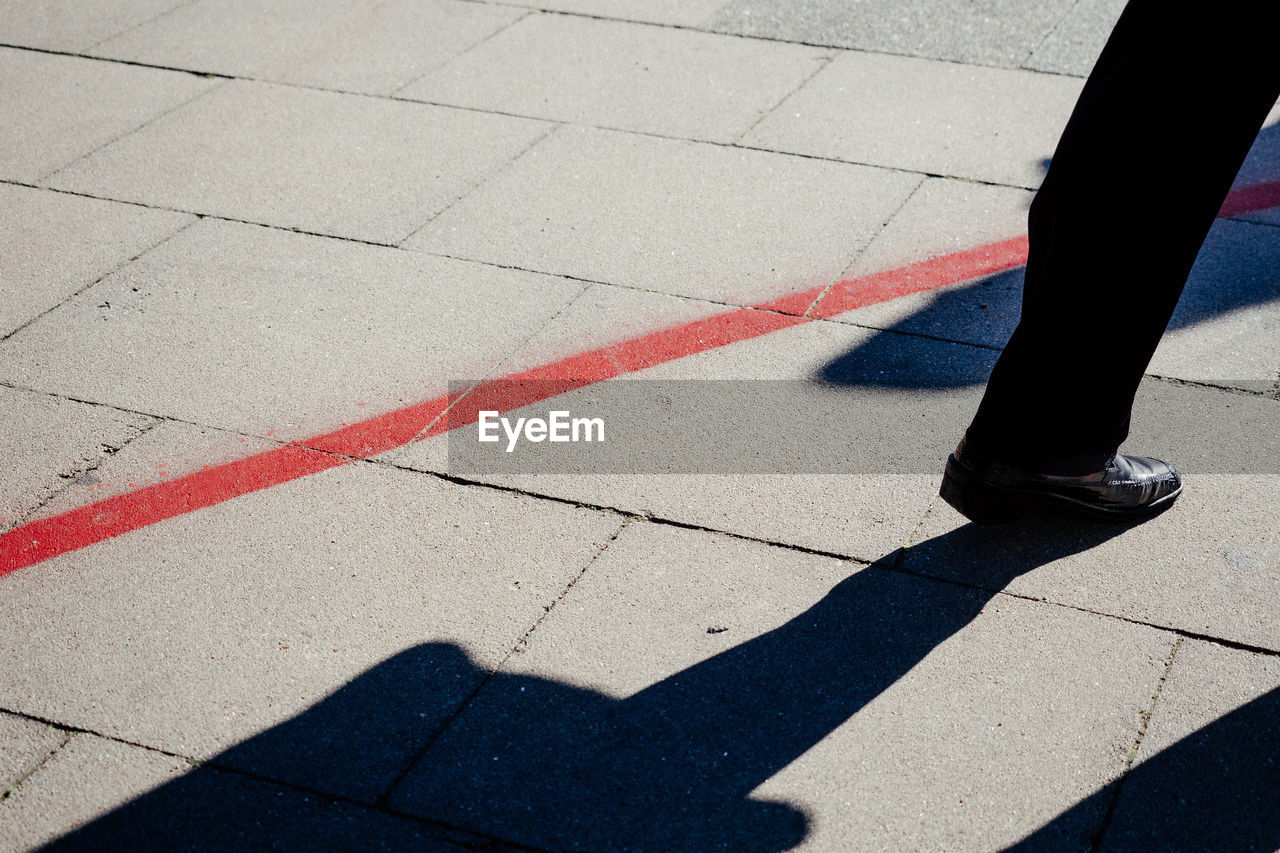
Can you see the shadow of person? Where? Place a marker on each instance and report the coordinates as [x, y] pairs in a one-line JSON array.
[[1218, 788], [1236, 269], [540, 762]]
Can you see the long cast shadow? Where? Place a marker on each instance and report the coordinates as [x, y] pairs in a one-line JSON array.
[[1215, 789], [540, 762]]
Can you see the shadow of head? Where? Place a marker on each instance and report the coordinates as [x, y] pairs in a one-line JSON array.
[[538, 761]]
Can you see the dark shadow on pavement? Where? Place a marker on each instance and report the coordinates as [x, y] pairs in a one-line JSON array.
[[1236, 269], [551, 765], [1216, 789]]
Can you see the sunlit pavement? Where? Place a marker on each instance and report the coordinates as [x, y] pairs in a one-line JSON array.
[[245, 249]]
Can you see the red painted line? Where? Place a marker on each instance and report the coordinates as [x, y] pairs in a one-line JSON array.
[[44, 538], [926, 275], [48, 537], [1251, 199]]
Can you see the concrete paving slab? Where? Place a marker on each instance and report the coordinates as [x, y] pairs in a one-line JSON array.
[[56, 244], [865, 516], [719, 693], [685, 13], [626, 76], [960, 121], [198, 633], [166, 451], [68, 107], [365, 168], [104, 795], [1210, 566], [87, 777], [996, 33], [71, 25], [1206, 769], [47, 441], [256, 329], [1074, 44], [677, 217], [366, 46], [24, 744], [942, 217]]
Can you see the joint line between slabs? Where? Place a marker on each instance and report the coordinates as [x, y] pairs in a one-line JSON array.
[[497, 170], [1022, 66], [514, 351], [821, 66], [1144, 720], [112, 141], [384, 799], [13, 787], [71, 731], [631, 514], [1168, 629], [68, 480], [808, 312], [769, 39], [150, 20], [115, 269], [526, 117], [526, 12]]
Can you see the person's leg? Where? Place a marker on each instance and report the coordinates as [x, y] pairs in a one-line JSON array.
[[1160, 130]]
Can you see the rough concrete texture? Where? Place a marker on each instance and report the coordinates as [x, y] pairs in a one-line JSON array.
[[628, 76], [678, 217], [197, 634], [105, 795], [961, 121], [55, 244], [48, 442], [24, 745], [708, 680], [365, 168], [87, 777], [167, 451], [67, 107], [1074, 44], [679, 662], [1206, 769], [685, 13], [365, 46], [73, 25], [256, 329], [1210, 565], [998, 32], [945, 216]]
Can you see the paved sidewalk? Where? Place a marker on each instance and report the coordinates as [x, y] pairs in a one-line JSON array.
[[245, 249]]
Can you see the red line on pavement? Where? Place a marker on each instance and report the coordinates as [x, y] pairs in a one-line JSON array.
[[44, 538], [1251, 199]]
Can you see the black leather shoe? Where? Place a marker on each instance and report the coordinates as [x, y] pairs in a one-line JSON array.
[[1128, 488]]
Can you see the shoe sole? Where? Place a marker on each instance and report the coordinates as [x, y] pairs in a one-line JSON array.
[[985, 503]]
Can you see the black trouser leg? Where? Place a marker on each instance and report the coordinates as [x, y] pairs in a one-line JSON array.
[[1161, 128]]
